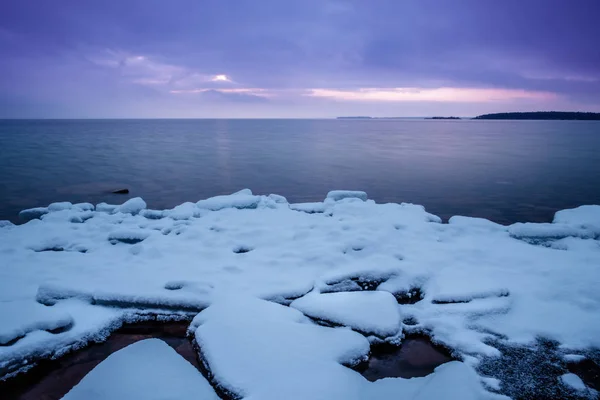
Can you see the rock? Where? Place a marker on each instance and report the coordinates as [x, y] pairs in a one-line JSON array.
[[121, 191]]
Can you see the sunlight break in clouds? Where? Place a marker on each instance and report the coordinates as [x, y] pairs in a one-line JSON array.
[[221, 78], [444, 94]]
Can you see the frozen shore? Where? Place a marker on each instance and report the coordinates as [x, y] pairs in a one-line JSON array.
[[262, 276]]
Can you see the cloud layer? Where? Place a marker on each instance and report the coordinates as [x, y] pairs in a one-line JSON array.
[[306, 58]]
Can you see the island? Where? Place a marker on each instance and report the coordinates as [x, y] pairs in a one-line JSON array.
[[543, 115], [443, 118]]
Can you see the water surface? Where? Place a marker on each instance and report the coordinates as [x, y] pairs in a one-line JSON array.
[[503, 170]]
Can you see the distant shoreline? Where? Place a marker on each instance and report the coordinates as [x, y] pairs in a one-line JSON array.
[[535, 115], [544, 115]]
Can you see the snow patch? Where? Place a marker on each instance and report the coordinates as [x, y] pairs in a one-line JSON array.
[[148, 369], [337, 195], [371, 313]]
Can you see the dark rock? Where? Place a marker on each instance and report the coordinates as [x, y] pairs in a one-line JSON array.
[[121, 191], [411, 296], [588, 370]]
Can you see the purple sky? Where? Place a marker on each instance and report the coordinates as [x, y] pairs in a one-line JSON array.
[[288, 58]]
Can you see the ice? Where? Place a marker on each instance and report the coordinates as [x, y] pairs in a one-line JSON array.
[[475, 223], [574, 357], [278, 199], [184, 211], [261, 350], [371, 313], [84, 206], [194, 298], [32, 213], [310, 208], [153, 214], [128, 236], [24, 316], [131, 206], [548, 231], [466, 283], [90, 323], [229, 201], [5, 224], [573, 381], [63, 205], [148, 369], [103, 207], [337, 195], [583, 216]]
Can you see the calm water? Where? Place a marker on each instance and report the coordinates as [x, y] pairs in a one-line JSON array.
[[503, 170]]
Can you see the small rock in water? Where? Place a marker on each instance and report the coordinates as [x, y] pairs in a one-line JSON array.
[[121, 191]]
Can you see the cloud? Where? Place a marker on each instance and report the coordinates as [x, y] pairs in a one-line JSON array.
[[444, 94], [313, 52]]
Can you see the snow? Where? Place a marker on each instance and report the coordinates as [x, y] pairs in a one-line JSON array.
[[32, 213], [530, 230], [128, 235], [63, 205], [20, 317], [474, 281], [184, 211], [103, 207], [278, 199], [573, 357], [371, 313], [584, 216], [84, 206], [5, 224], [453, 380], [260, 350], [153, 370], [131, 206], [242, 199], [337, 195], [310, 208], [573, 381]]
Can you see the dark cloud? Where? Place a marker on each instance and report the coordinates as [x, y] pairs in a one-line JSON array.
[[82, 53]]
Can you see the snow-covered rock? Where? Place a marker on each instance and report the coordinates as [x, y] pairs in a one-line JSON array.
[[131, 206], [473, 281], [371, 313], [148, 369], [337, 195]]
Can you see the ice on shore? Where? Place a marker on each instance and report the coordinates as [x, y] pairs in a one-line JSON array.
[[347, 260], [368, 312], [337, 195]]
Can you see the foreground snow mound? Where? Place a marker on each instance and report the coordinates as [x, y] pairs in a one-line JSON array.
[[450, 381], [262, 350], [148, 369], [371, 313]]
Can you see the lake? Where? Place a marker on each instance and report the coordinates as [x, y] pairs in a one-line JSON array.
[[506, 171]]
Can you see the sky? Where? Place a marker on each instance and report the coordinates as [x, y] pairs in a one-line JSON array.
[[296, 58]]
